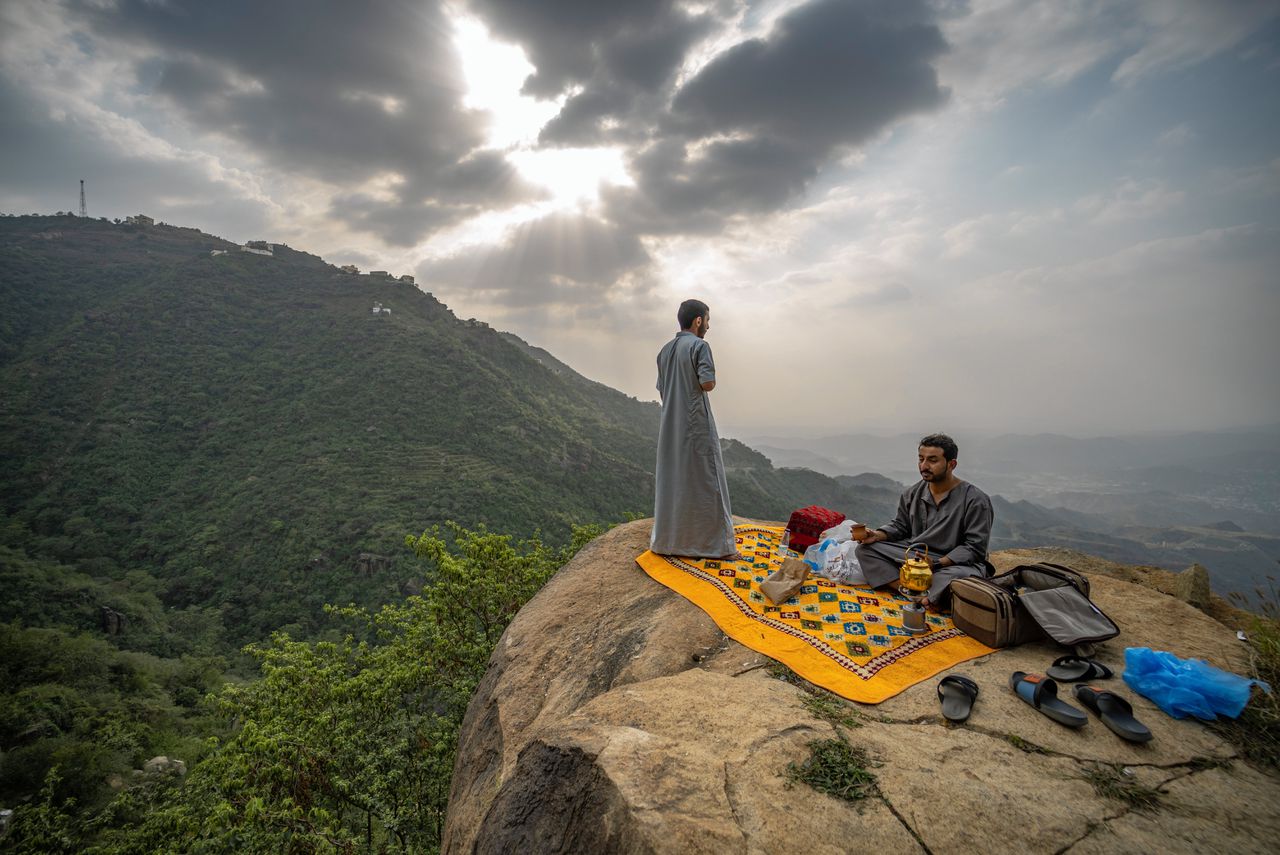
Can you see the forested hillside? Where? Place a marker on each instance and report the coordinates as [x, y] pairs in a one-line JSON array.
[[242, 427]]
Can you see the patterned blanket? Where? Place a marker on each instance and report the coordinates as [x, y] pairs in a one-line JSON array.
[[847, 639]]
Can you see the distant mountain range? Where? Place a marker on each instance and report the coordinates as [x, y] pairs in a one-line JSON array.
[[1168, 500], [1172, 461]]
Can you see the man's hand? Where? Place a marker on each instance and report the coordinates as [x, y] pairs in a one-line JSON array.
[[875, 536]]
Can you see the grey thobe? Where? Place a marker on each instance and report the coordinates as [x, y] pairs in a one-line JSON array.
[[958, 527], [691, 496]]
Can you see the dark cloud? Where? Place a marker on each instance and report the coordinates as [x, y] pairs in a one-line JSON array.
[[398, 222], [644, 58], [559, 259], [832, 72], [582, 120], [431, 202], [755, 126], [574, 41], [680, 192], [335, 90], [621, 58], [480, 176], [349, 93]]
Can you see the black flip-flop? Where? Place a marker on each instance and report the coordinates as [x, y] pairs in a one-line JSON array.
[[957, 694], [1072, 669], [1115, 712], [1042, 693]]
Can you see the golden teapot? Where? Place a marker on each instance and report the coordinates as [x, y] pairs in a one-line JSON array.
[[916, 575]]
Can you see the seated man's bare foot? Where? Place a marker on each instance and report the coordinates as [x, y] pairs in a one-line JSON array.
[[736, 556]]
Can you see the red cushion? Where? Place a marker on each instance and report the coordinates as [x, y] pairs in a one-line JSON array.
[[807, 524]]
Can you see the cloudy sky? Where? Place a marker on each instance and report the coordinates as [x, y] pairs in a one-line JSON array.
[[968, 214]]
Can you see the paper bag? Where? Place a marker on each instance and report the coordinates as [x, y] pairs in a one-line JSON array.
[[783, 583]]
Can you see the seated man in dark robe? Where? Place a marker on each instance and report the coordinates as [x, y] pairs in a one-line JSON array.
[[951, 517]]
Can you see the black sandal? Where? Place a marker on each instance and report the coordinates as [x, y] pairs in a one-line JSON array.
[[1074, 669], [957, 693], [1115, 712], [1042, 693]]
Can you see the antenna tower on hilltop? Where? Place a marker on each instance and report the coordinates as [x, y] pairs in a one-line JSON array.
[[83, 212]]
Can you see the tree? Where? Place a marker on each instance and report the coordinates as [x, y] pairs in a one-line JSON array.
[[349, 745], [44, 826]]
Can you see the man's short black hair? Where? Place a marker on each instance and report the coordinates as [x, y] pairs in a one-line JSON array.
[[941, 440], [691, 310]]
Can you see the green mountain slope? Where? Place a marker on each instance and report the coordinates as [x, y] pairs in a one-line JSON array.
[[244, 428]]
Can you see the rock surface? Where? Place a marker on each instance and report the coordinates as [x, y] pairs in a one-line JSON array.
[[1192, 586], [615, 716], [161, 764]]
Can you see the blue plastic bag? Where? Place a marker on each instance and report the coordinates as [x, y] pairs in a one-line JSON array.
[[1183, 687]]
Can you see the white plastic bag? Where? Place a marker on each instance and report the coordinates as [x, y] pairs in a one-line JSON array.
[[846, 570], [836, 561], [839, 532]]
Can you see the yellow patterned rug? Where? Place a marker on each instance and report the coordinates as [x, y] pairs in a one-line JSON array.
[[844, 638]]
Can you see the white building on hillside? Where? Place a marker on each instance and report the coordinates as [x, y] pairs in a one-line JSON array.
[[258, 247]]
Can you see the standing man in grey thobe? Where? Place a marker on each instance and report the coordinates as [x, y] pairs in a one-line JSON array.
[[691, 515], [952, 517]]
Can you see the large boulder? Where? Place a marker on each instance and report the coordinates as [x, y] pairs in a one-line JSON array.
[[162, 765], [1192, 586], [615, 716], [113, 622]]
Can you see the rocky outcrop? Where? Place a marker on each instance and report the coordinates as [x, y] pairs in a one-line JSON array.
[[113, 622], [369, 564], [162, 764], [615, 716], [1192, 586]]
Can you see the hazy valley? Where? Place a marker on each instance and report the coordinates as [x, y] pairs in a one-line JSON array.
[[1167, 500]]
